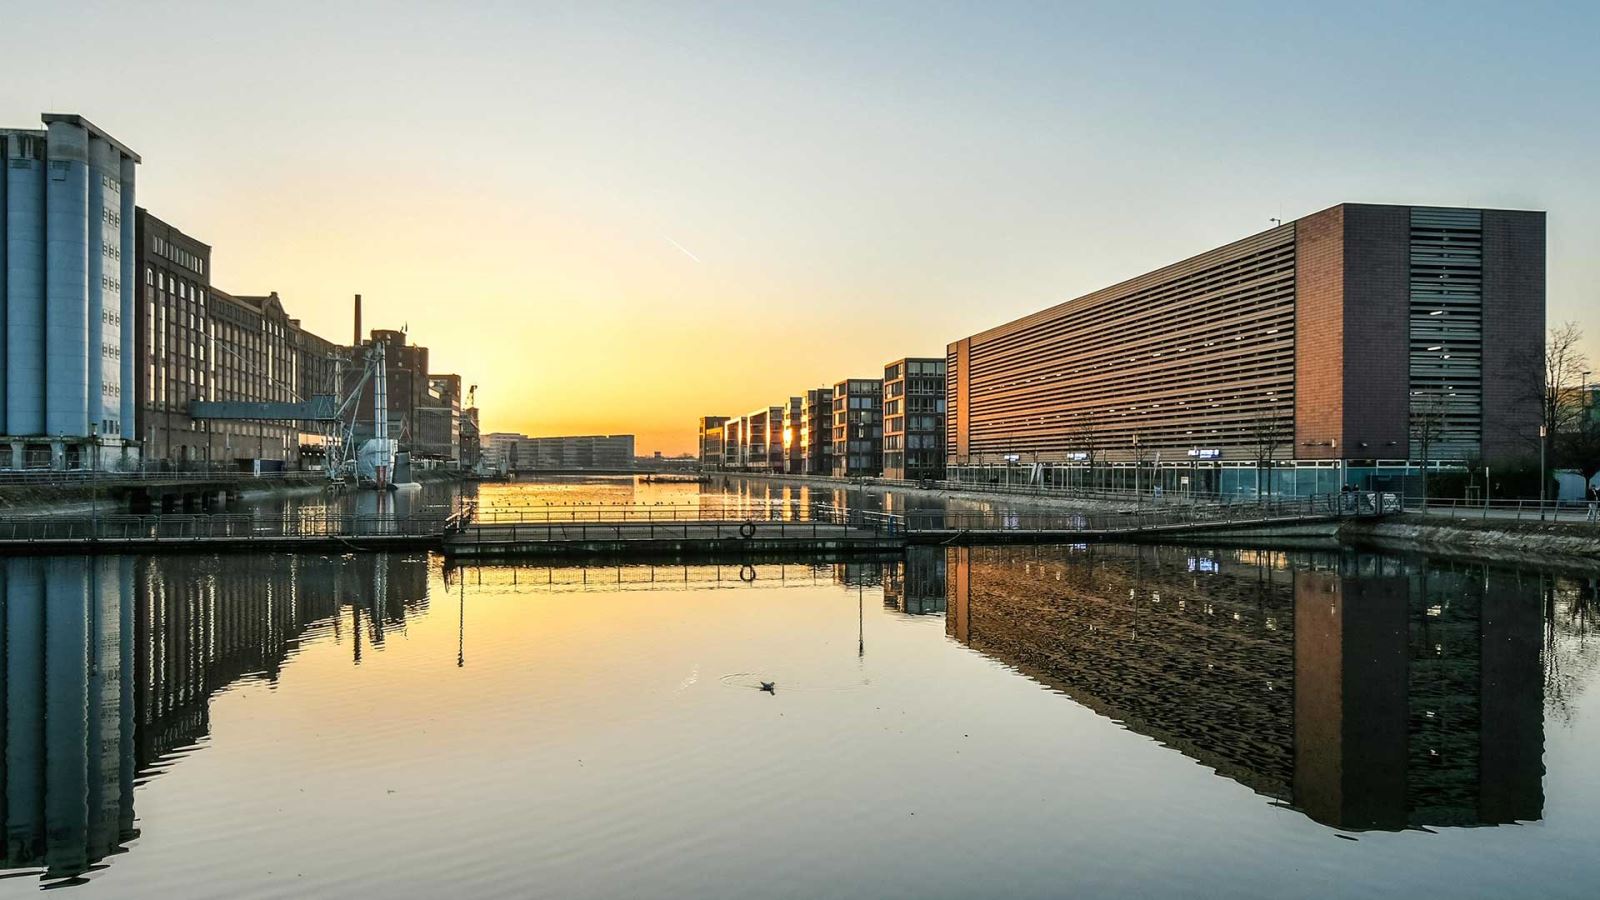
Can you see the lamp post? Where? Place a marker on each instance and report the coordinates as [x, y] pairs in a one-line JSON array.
[[94, 475], [1543, 430]]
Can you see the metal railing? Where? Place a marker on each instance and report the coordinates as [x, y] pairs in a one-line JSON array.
[[1149, 495], [1348, 504], [1574, 512], [179, 528], [713, 522], [729, 510], [59, 478]]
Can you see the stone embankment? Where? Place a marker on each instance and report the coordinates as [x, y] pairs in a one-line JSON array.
[[1565, 544]]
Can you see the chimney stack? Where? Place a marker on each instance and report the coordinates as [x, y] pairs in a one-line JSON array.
[[357, 341]]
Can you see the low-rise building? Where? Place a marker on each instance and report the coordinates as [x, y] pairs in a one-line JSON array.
[[816, 432], [793, 459], [913, 419], [762, 450], [733, 432], [858, 427], [712, 430]]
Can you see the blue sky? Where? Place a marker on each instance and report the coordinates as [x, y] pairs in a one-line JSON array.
[[579, 206]]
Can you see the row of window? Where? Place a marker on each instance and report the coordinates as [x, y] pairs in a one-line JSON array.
[[167, 250]]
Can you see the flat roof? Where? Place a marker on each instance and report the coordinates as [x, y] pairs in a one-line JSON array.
[[86, 125]]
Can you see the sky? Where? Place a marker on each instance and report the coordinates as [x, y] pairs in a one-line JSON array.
[[615, 218]]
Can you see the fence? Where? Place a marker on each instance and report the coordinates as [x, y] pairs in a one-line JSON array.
[[708, 522], [58, 478], [1346, 504], [1580, 512], [203, 528]]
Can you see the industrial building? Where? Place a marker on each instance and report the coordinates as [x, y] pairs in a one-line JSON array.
[[509, 452], [439, 421], [913, 419], [406, 370], [1348, 347], [471, 439], [858, 427], [196, 342], [67, 295]]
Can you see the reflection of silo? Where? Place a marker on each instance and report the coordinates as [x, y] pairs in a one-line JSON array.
[[66, 718], [25, 253], [25, 714], [109, 680], [126, 714], [66, 320], [68, 737]]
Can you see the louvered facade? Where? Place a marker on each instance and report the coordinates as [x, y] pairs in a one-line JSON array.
[[1334, 341]]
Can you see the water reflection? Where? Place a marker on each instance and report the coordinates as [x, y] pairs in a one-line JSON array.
[[1367, 691], [110, 664]]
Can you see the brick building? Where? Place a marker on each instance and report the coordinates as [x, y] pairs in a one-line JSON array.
[[1352, 346]]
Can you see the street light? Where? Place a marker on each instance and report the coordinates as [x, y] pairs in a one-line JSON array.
[[94, 474]]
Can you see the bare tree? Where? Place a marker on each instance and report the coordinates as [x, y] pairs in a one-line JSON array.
[[1268, 432], [1141, 453], [1085, 439], [1547, 381], [1427, 430]]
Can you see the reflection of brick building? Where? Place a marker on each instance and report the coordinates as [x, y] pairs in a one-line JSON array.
[[1363, 691]]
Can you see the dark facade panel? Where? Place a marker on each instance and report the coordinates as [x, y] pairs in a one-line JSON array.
[[1376, 308], [1514, 324]]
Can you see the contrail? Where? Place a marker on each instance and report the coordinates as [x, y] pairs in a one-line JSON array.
[[683, 248]]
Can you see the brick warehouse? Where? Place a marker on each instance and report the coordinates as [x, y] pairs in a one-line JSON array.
[[1349, 346]]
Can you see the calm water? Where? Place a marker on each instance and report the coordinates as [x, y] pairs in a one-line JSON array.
[[1035, 722]]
